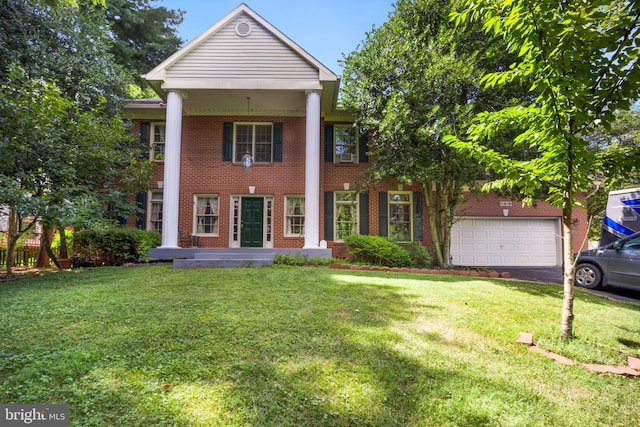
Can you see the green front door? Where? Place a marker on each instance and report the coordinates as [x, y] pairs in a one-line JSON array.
[[251, 216]]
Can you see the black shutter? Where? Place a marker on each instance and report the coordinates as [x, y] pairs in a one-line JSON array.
[[328, 143], [227, 142], [417, 217], [141, 216], [364, 213], [145, 136], [383, 214], [328, 215], [277, 142], [363, 147]]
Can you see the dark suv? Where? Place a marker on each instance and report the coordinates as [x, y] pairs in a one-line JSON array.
[[616, 264]]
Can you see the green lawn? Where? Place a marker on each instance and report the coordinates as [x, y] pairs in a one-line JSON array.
[[292, 346]]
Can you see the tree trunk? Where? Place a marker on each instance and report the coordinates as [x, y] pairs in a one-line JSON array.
[[63, 250], [12, 239], [566, 326], [432, 213], [45, 253], [42, 258]]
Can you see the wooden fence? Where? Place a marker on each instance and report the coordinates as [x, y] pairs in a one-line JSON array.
[[25, 256]]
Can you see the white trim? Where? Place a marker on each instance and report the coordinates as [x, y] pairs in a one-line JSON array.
[[411, 209], [194, 224], [312, 171], [287, 197], [171, 195], [159, 72], [345, 157], [152, 142], [356, 202], [253, 141], [253, 84], [150, 201], [266, 221]]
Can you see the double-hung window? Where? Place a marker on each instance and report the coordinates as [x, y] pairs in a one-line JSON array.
[[294, 217], [400, 215], [206, 214], [345, 143], [155, 211], [255, 139], [158, 131], [346, 214]]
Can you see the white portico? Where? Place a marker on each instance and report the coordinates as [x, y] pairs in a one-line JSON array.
[[242, 57]]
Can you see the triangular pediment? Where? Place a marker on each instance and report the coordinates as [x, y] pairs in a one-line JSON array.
[[242, 50]]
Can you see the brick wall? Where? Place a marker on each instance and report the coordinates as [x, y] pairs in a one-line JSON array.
[[204, 172]]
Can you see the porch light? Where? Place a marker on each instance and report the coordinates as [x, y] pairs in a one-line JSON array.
[[247, 162]]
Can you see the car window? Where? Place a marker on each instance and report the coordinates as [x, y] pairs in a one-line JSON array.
[[633, 244]]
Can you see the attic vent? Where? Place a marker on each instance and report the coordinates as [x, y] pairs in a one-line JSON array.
[[243, 29]]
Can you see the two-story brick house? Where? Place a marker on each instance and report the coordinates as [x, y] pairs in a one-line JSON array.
[[252, 150]]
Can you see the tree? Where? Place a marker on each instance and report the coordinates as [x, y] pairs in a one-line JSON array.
[[65, 149], [143, 35], [412, 81], [582, 58]]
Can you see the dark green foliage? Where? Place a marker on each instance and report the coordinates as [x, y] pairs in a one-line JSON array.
[[419, 254], [413, 80], [286, 259], [143, 34], [113, 246], [377, 250]]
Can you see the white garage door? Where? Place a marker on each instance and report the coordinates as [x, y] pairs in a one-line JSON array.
[[506, 242]]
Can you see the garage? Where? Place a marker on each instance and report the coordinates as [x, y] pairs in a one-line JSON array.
[[525, 242]]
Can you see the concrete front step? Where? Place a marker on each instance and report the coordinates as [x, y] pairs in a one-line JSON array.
[[229, 257], [221, 263]]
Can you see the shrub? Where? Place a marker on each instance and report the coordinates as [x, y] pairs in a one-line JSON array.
[[112, 246], [419, 254], [286, 259], [378, 251]]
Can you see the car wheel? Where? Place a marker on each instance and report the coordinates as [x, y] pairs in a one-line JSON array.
[[588, 276]]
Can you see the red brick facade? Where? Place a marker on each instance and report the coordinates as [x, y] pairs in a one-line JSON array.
[[206, 85], [204, 172]]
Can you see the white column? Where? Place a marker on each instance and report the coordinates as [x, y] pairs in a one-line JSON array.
[[312, 172], [171, 193]]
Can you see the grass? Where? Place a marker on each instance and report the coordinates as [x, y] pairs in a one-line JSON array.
[[290, 346]]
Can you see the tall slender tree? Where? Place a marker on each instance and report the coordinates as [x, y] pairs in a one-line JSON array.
[[583, 59]]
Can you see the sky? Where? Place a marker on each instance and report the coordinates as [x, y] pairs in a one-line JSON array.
[[324, 28]]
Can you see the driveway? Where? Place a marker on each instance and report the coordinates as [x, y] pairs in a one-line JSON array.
[[534, 274], [554, 275]]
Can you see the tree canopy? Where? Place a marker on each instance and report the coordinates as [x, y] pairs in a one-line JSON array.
[[66, 151], [582, 59], [412, 81], [143, 35]]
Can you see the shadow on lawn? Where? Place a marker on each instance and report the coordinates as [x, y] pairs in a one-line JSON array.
[[336, 369], [259, 352], [602, 297]]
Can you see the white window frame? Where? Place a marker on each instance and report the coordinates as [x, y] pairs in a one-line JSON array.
[[345, 151], [157, 141], [337, 204], [154, 199], [398, 199], [198, 215], [238, 152], [290, 216], [235, 222]]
